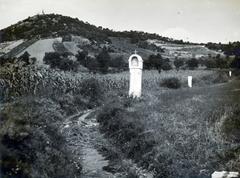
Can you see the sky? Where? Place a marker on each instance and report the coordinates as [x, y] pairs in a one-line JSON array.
[[190, 20]]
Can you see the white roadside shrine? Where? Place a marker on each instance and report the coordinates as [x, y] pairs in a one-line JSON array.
[[135, 67]]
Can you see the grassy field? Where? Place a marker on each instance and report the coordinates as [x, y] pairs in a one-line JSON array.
[[177, 133], [170, 132]]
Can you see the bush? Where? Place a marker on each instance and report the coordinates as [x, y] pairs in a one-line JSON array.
[[25, 57], [103, 60], [236, 62], [166, 66], [82, 57], [128, 131], [222, 63], [172, 82], [210, 63], [178, 63], [92, 64], [60, 61], [231, 124], [118, 63], [31, 143], [192, 63], [92, 90], [153, 62], [126, 128]]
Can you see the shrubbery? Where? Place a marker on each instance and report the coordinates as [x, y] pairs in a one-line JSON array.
[[178, 63], [60, 61], [154, 62], [231, 125], [118, 63], [103, 60], [92, 90], [172, 82], [31, 143], [166, 66], [192, 63], [127, 131]]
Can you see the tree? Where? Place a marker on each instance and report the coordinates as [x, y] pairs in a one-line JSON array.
[[236, 62], [103, 59], [221, 63], [118, 63], [60, 61], [25, 57], [82, 57], [154, 62], [52, 59], [166, 66], [92, 64], [192, 63], [210, 63], [178, 63]]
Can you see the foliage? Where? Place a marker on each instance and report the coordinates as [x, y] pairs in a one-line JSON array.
[[31, 142], [47, 25], [232, 48], [192, 63], [25, 57], [210, 63], [172, 82], [236, 62], [82, 57], [154, 62], [125, 128], [178, 63], [166, 66], [150, 46], [92, 90], [103, 60], [60, 61], [118, 63], [231, 124], [92, 64]]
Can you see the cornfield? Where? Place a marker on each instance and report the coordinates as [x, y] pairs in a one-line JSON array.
[[38, 80]]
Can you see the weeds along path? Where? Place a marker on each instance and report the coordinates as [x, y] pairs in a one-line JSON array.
[[82, 134], [175, 132]]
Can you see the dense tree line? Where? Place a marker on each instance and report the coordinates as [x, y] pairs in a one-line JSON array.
[[232, 48], [60, 61], [101, 62]]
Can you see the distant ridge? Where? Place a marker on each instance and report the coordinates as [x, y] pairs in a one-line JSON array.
[[54, 25]]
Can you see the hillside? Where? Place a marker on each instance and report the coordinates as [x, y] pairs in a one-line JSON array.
[[42, 34], [58, 25]]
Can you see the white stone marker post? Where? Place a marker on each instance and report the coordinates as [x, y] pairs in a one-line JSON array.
[[135, 67], [230, 73], [190, 81]]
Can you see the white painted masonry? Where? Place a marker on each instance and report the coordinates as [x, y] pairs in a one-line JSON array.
[[135, 66], [190, 81]]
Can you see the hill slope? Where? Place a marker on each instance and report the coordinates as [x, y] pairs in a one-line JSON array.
[[77, 35]]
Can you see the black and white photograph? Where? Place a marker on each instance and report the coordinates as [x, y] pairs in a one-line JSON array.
[[119, 88]]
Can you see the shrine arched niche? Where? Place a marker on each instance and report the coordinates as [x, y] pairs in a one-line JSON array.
[[134, 62]]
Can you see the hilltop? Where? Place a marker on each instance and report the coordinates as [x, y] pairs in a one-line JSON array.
[[59, 25], [51, 32]]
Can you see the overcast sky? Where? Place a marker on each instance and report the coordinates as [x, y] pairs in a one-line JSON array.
[[190, 20]]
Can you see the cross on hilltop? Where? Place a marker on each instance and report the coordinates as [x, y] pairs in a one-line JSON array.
[[135, 51]]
